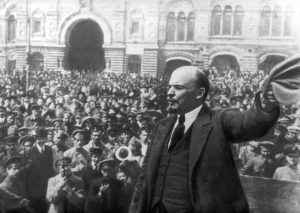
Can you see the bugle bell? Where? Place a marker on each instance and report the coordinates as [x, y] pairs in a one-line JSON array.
[[123, 153]]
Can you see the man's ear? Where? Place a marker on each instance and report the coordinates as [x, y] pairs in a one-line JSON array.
[[201, 92]]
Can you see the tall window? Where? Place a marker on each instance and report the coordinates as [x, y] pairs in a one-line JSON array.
[[277, 21], [227, 20], [171, 22], [136, 24], [11, 28], [38, 23], [181, 21], [216, 20], [190, 26], [288, 22], [238, 21], [265, 21]]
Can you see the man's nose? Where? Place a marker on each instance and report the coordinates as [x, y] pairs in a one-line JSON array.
[[170, 92]]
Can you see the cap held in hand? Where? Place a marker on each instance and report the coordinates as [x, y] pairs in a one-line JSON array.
[[285, 81]]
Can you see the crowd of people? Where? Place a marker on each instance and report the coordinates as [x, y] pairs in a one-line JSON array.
[[76, 142]]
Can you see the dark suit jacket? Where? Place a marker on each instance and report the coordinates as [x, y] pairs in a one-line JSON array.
[[40, 170], [214, 183], [112, 200]]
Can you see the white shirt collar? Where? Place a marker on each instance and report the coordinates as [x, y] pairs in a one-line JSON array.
[[40, 148], [190, 117]]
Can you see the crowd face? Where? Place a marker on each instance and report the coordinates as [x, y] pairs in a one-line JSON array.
[[108, 172], [64, 169], [292, 161], [144, 136], [265, 152], [27, 146], [79, 140], [95, 137], [13, 170], [96, 158]]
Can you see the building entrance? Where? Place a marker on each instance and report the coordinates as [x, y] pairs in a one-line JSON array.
[[84, 50]]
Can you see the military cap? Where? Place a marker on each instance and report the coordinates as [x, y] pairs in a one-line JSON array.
[[291, 150], [266, 144], [23, 128], [112, 131], [35, 107], [39, 132], [18, 108], [25, 138], [109, 162], [49, 112], [10, 140], [96, 151], [88, 119], [13, 160], [78, 131], [65, 160], [56, 120]]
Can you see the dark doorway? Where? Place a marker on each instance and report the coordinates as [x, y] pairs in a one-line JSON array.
[[37, 61], [85, 50], [269, 62], [225, 62], [173, 65], [134, 64]]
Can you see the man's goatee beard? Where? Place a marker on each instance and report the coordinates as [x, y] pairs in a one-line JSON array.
[[172, 110]]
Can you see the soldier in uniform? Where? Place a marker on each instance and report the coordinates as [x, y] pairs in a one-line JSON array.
[[291, 171], [13, 189]]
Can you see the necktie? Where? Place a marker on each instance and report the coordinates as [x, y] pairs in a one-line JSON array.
[[178, 131]]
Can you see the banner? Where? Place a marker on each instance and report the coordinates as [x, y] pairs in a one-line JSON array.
[[271, 196]]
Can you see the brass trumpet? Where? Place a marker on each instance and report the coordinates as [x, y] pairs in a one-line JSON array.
[[123, 153]]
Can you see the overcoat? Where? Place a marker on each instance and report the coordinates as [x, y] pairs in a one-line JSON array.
[[213, 180]]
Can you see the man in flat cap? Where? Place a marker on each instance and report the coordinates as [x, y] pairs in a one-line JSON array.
[[80, 157], [35, 117], [40, 171], [106, 193], [291, 171], [92, 171], [65, 190], [16, 200], [60, 146]]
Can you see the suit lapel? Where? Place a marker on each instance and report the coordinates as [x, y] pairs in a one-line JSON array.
[[161, 136], [201, 129]]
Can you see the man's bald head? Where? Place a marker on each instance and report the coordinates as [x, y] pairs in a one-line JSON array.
[[188, 89]]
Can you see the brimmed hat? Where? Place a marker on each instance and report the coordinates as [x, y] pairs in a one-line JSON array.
[[266, 144], [96, 151], [25, 138], [78, 131], [110, 162], [291, 151], [65, 160], [13, 160]]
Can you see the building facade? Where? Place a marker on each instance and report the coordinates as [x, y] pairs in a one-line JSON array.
[[147, 37]]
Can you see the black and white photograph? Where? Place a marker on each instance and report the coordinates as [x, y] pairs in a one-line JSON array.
[[138, 106]]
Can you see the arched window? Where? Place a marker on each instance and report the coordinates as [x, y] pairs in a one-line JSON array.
[[190, 26], [170, 31], [216, 21], [288, 21], [238, 20], [265, 21], [181, 20], [277, 21], [11, 28], [227, 20]]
